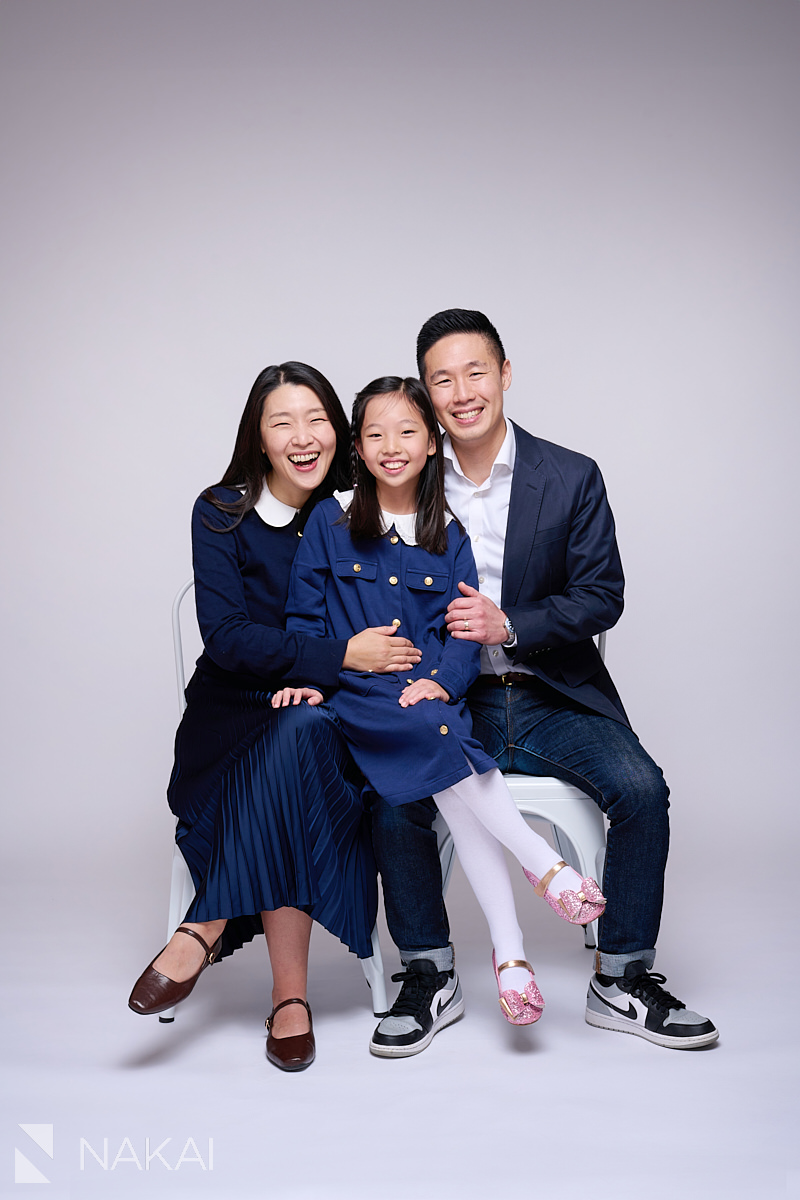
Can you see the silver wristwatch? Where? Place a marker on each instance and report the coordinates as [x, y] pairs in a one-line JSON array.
[[511, 640]]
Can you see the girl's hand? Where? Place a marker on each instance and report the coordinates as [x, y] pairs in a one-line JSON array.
[[378, 649], [422, 689], [290, 695]]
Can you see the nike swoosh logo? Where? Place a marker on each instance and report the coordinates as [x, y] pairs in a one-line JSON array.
[[442, 1005], [631, 1013]]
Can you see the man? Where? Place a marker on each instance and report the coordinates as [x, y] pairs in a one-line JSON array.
[[550, 578]]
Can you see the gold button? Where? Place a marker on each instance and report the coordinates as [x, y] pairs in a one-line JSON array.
[[356, 566], [443, 729], [393, 580], [394, 540], [396, 622], [409, 681], [428, 581], [299, 534], [435, 669]]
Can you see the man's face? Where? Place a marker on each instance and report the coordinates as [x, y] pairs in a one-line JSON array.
[[466, 386]]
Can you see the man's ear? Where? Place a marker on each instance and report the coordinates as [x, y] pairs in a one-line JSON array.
[[505, 375]]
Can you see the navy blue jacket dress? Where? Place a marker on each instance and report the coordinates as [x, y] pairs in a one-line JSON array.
[[339, 587], [268, 801]]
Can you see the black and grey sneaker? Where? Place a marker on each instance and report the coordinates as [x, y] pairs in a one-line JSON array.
[[429, 1000], [638, 1004]]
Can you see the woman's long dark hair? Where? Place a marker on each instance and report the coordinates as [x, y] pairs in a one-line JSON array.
[[250, 466], [364, 516]]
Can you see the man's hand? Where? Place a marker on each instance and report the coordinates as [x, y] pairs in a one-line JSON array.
[[475, 618], [422, 689], [378, 649], [291, 695]]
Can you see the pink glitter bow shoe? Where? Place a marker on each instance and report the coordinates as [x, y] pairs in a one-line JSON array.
[[579, 908], [519, 1008]]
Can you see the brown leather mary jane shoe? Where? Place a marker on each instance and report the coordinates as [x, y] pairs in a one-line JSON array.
[[291, 1053], [154, 993]]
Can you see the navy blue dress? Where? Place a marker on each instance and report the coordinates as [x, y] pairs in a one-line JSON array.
[[268, 801], [339, 587]]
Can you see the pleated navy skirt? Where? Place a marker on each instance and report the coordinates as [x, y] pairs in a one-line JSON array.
[[270, 815]]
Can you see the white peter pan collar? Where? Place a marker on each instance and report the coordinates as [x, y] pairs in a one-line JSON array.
[[405, 523], [344, 499], [273, 511]]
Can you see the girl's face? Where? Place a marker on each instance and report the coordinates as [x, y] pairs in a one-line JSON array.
[[394, 443], [299, 440]]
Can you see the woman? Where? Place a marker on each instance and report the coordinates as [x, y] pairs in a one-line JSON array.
[[270, 820]]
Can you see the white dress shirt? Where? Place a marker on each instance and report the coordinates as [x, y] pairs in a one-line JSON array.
[[483, 511]]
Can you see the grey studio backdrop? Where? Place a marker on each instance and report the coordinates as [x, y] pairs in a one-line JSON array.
[[193, 190]]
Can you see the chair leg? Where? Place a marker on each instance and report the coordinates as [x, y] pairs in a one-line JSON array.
[[447, 850], [375, 976], [181, 894]]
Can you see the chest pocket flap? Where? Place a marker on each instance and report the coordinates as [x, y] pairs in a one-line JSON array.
[[356, 568], [426, 581]]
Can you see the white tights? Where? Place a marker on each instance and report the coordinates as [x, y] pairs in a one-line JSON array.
[[483, 818]]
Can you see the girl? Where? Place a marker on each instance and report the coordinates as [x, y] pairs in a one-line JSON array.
[[270, 820], [390, 551]]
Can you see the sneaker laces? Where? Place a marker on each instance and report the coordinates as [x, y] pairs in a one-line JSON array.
[[647, 987], [416, 993]]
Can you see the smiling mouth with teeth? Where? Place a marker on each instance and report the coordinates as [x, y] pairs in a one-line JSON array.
[[304, 458], [468, 414], [393, 464]]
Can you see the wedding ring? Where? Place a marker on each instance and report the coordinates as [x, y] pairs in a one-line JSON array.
[[466, 626]]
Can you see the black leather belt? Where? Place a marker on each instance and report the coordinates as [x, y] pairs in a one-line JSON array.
[[508, 680]]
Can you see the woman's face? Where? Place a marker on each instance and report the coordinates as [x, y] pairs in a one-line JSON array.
[[299, 440]]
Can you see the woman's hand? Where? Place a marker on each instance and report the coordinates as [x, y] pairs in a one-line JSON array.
[[422, 689], [291, 695], [378, 649]]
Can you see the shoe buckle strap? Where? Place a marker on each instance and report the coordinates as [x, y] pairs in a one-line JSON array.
[[515, 962], [541, 886]]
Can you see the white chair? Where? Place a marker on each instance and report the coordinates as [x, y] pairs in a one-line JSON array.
[[181, 890], [576, 823]]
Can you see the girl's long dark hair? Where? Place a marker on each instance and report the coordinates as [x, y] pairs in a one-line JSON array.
[[250, 466], [364, 516]]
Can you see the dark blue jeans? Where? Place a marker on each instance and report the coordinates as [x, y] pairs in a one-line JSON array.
[[535, 730]]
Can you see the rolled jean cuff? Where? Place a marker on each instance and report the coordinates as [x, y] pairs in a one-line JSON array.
[[443, 958], [615, 964]]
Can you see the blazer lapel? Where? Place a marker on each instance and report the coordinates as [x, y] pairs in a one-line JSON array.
[[527, 492]]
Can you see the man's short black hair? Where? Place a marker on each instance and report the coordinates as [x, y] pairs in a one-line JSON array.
[[456, 320]]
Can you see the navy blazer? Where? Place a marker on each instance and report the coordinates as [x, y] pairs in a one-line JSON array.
[[562, 573]]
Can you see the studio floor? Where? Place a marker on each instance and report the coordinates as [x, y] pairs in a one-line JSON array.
[[560, 1110]]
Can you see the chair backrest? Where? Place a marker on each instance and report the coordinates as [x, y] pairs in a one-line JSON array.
[[177, 642]]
